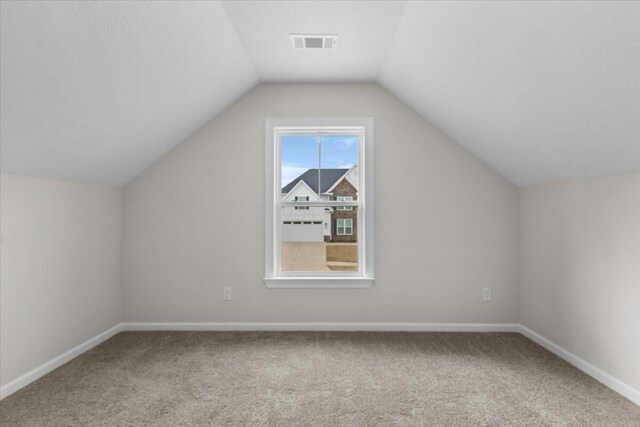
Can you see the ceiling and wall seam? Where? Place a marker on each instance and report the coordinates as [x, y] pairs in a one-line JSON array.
[[388, 51], [244, 48], [98, 92], [231, 104], [449, 137]]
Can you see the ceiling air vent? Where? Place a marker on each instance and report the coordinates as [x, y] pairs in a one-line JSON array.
[[313, 41]]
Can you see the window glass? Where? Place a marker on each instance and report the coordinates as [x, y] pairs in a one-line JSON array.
[[319, 169], [344, 199]]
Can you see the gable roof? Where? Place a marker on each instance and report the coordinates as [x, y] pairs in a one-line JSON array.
[[97, 91], [345, 176], [328, 177], [302, 185]]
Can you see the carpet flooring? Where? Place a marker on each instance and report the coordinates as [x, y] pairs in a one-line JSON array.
[[317, 379]]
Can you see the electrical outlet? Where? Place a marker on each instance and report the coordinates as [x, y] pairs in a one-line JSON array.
[[486, 294], [226, 294]]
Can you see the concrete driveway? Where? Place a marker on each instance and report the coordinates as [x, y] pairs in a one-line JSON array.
[[304, 256]]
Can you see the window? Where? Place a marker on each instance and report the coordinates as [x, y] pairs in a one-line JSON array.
[[302, 199], [344, 199], [345, 227], [313, 240]]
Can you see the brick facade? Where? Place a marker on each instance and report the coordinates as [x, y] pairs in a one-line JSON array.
[[344, 189]]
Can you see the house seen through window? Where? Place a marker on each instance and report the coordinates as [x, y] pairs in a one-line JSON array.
[[319, 168]]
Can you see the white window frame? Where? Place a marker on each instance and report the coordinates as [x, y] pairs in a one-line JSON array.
[[274, 276], [344, 199], [344, 226]]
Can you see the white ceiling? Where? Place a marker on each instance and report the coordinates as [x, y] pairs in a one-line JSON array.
[[542, 91], [365, 32], [97, 91]]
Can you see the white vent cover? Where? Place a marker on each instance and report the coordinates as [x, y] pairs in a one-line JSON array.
[[313, 41]]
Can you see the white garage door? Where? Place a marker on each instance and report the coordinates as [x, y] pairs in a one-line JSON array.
[[302, 233]]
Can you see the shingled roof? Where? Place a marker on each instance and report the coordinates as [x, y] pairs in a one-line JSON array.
[[328, 177]]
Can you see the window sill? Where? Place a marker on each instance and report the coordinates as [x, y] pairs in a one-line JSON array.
[[318, 282]]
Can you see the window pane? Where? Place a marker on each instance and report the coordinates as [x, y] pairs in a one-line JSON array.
[[321, 163], [313, 241], [339, 151], [298, 155]]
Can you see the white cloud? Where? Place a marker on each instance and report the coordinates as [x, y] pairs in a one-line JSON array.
[[349, 142], [291, 172], [343, 143]]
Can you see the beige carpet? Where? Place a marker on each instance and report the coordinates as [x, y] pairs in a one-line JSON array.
[[317, 379]]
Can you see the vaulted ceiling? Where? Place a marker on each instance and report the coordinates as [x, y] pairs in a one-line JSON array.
[[542, 91]]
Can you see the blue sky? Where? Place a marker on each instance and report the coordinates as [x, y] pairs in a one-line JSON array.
[[300, 153]]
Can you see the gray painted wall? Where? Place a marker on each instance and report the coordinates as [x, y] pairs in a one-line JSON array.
[[446, 223], [59, 268], [580, 269]]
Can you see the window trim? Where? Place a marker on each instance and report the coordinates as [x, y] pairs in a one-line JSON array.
[[301, 208], [344, 226], [344, 208], [365, 277]]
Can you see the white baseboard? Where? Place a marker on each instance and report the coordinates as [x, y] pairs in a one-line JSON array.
[[45, 368], [597, 373], [610, 381], [323, 326]]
